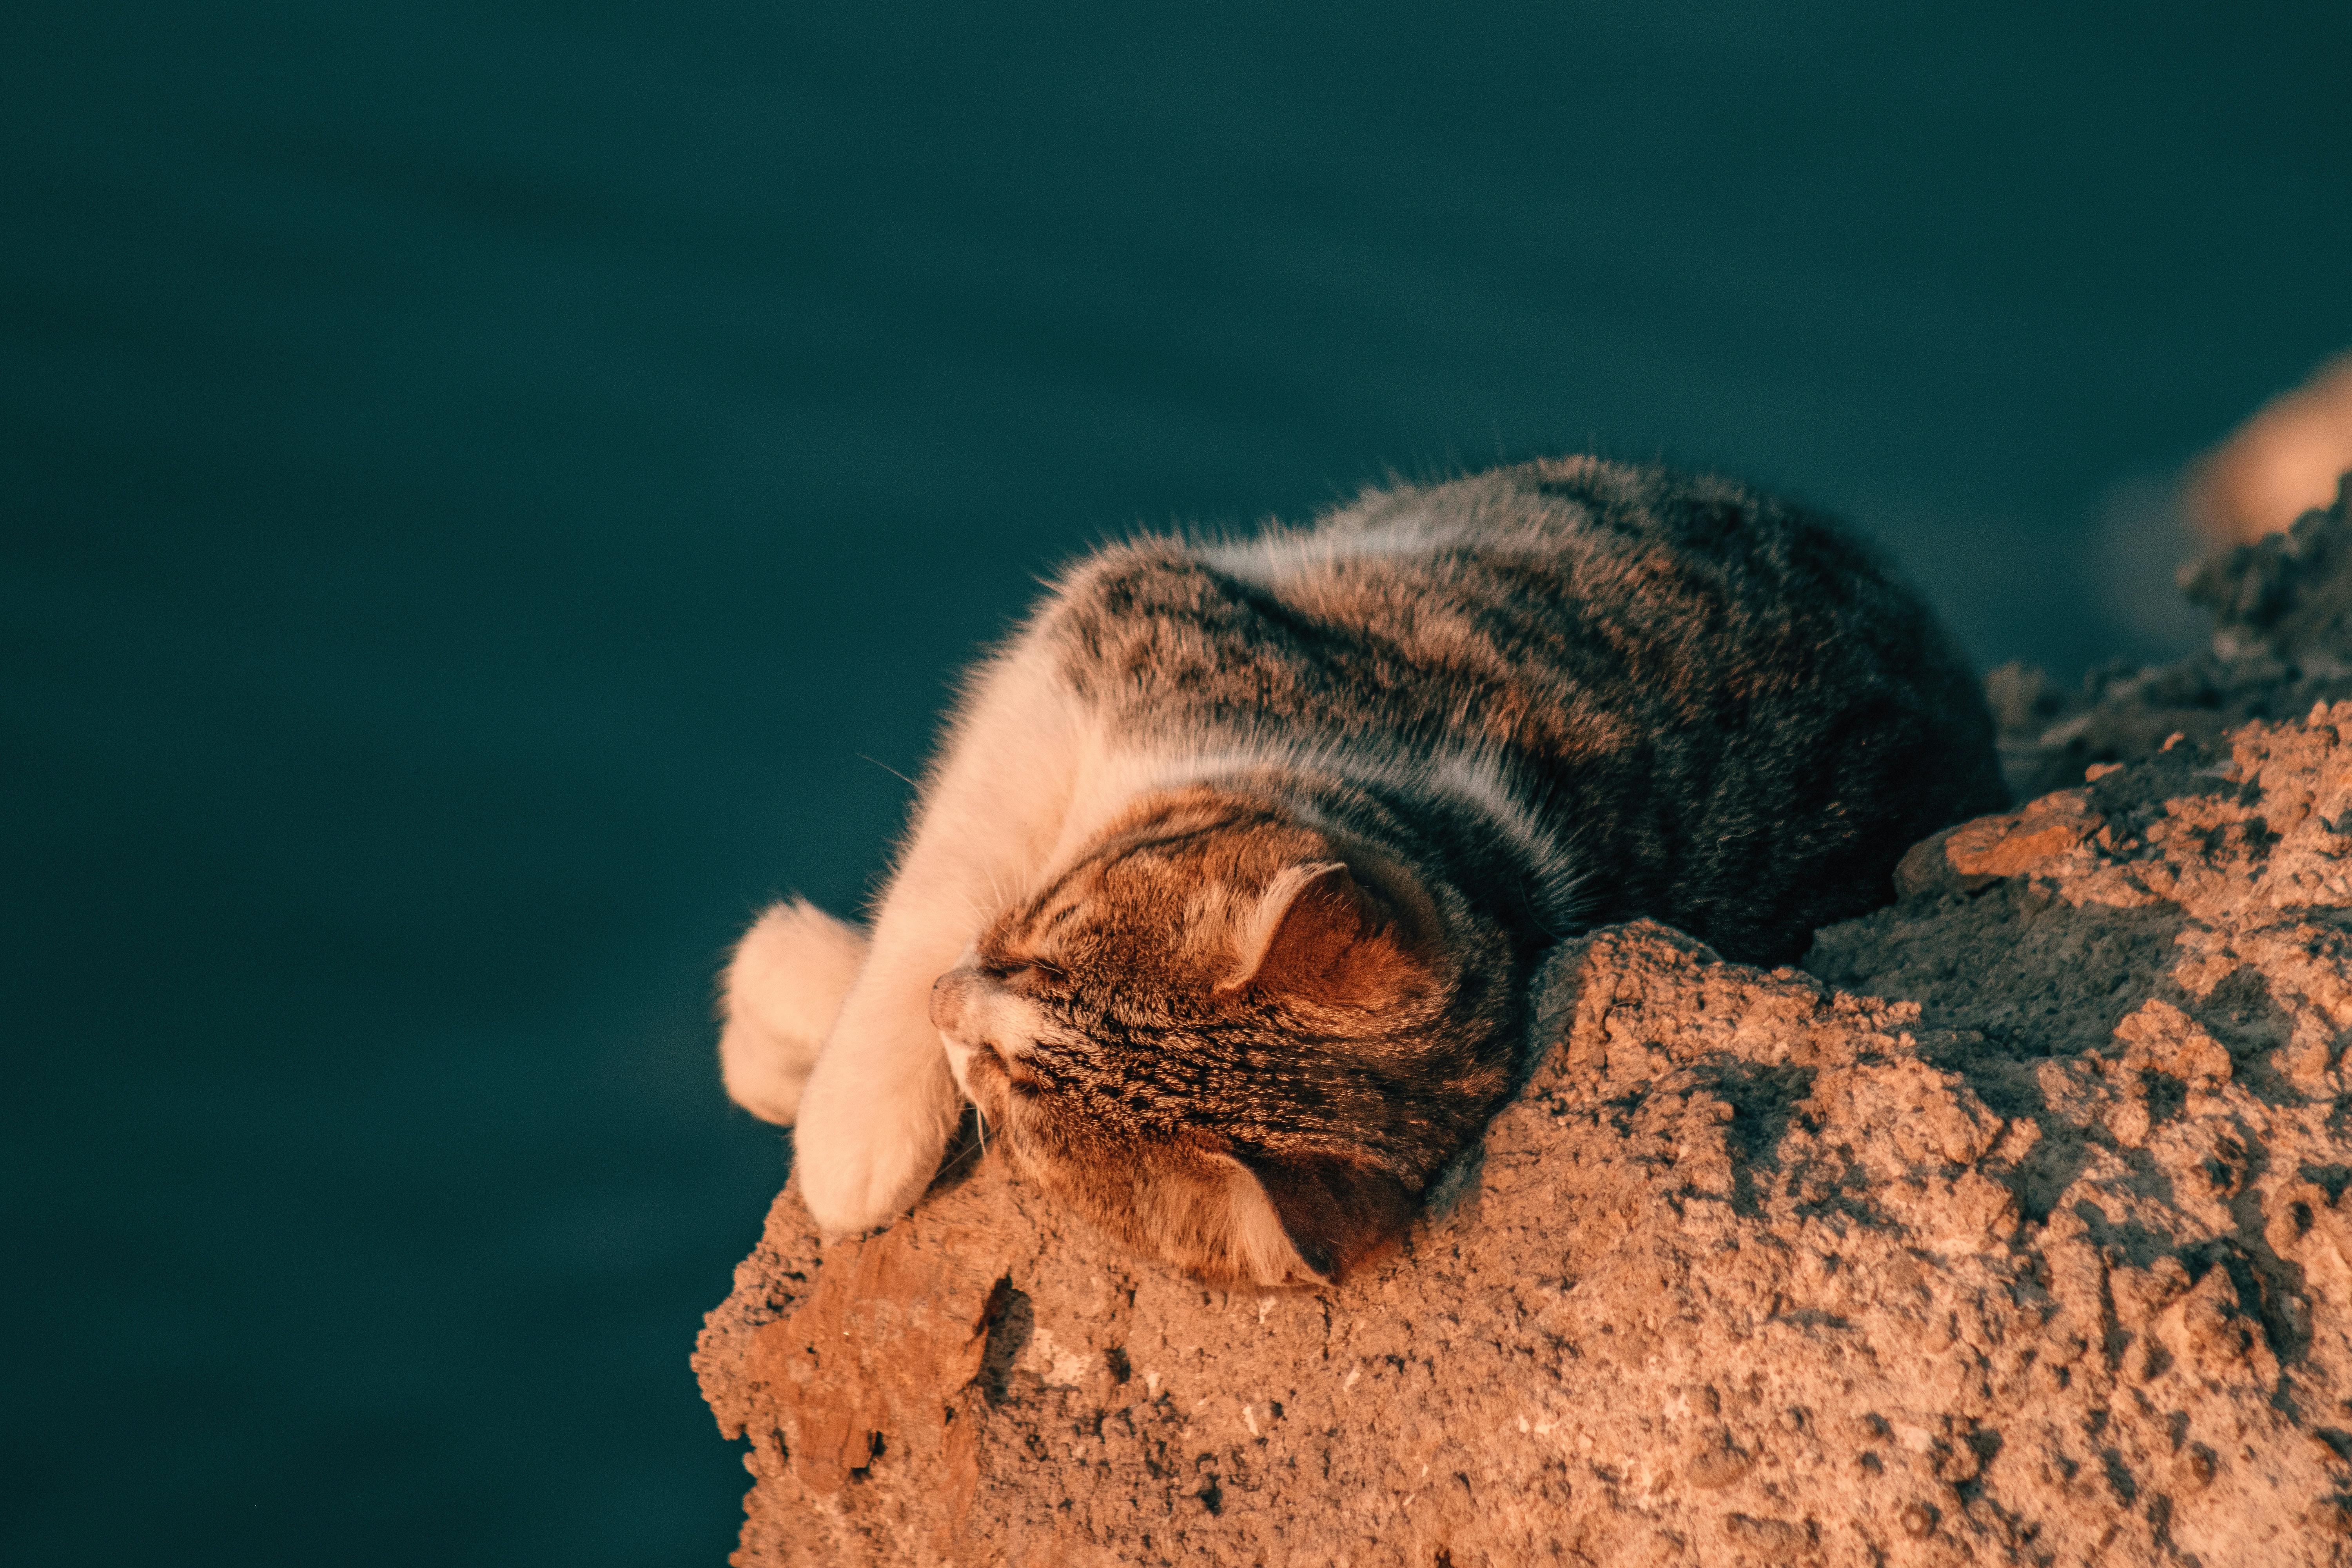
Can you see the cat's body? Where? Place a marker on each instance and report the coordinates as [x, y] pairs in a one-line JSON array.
[[1226, 892]]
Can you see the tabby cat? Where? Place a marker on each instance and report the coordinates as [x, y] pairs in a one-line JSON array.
[[1226, 890]]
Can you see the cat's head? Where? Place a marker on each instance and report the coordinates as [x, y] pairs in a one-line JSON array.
[[1232, 1040]]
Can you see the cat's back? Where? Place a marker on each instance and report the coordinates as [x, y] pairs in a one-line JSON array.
[[1741, 714], [1648, 558], [1546, 606]]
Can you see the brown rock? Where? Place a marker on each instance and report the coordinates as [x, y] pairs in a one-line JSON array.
[[1753, 1267], [2282, 640]]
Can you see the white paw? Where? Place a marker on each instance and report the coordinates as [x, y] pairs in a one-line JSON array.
[[784, 989], [764, 1073], [869, 1142]]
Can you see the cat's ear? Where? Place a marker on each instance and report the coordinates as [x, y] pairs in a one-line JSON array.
[[1312, 1218], [1320, 933]]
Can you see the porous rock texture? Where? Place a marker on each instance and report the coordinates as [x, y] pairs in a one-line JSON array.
[[2281, 641], [2011, 1229]]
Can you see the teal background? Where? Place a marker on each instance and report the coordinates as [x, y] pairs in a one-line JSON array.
[[489, 493]]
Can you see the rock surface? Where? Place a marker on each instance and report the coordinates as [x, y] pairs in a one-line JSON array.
[[2014, 1229], [2282, 640]]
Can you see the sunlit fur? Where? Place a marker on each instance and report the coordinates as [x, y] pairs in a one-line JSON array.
[[784, 989], [1227, 888]]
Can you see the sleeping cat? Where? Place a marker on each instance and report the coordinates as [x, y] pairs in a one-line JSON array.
[[1225, 893]]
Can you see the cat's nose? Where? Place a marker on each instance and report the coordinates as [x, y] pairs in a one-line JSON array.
[[948, 1000]]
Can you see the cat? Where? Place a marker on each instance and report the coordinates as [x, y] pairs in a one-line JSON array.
[[1225, 896]]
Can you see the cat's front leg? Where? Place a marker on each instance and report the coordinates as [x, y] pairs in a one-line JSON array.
[[880, 1106]]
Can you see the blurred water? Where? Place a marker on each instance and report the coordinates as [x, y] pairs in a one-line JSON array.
[[489, 490]]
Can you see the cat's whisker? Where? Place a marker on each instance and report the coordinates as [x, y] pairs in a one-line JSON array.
[[888, 769], [969, 1150]]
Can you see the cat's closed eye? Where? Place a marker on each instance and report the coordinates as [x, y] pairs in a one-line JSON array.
[[1033, 972]]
